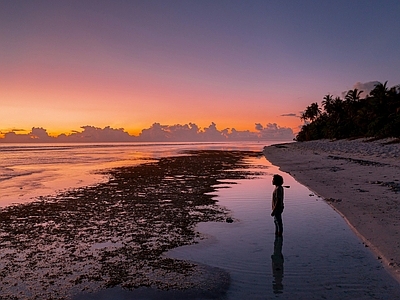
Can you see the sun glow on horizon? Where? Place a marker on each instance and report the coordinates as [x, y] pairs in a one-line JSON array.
[[55, 131], [130, 65], [60, 109]]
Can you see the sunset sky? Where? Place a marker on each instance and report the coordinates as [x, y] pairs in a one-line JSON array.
[[129, 64]]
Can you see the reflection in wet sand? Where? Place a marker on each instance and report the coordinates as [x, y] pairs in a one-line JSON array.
[[277, 266]]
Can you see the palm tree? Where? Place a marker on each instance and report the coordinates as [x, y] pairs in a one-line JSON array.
[[311, 113], [352, 104], [380, 91], [353, 95], [378, 115], [378, 98], [327, 103]]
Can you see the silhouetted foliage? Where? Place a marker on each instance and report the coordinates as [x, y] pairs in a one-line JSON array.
[[376, 115]]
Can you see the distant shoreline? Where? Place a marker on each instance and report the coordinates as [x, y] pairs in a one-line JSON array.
[[359, 179]]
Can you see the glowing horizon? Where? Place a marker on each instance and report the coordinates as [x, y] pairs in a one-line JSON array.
[[155, 133], [129, 65]]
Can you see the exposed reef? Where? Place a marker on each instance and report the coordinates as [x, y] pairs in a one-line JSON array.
[[114, 234]]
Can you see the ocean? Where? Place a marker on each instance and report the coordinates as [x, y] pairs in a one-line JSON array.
[[28, 171], [319, 257]]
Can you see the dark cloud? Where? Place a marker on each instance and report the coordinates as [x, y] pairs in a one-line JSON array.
[[259, 127], [156, 133], [246, 135], [17, 129], [37, 134], [4, 131], [211, 133], [89, 134], [95, 134], [289, 115], [272, 131], [191, 132]]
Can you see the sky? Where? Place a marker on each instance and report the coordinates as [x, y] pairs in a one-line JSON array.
[[130, 65]]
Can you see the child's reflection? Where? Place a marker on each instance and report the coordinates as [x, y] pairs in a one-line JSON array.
[[277, 265]]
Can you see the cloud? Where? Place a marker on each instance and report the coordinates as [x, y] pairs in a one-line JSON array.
[[182, 133], [290, 115], [18, 130], [176, 133], [89, 134], [366, 87], [272, 131], [37, 134], [259, 127], [95, 134], [156, 133], [40, 134], [246, 135], [3, 131], [211, 133]]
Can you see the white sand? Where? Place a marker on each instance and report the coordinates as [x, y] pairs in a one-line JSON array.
[[361, 180]]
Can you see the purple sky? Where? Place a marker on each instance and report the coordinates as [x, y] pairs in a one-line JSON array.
[[129, 64]]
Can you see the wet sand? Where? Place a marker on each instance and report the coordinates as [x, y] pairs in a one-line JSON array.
[[113, 235], [360, 179]]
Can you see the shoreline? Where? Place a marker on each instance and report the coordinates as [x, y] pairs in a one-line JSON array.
[[358, 179]]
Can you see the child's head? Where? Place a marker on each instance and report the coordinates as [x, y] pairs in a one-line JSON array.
[[277, 180]]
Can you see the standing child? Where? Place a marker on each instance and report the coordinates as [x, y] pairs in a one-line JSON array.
[[277, 204]]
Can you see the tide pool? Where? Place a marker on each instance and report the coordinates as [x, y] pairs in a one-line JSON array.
[[319, 257]]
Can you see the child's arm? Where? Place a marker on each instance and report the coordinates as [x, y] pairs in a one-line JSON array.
[[277, 200]]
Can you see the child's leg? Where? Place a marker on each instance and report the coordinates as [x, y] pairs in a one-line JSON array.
[[278, 224]]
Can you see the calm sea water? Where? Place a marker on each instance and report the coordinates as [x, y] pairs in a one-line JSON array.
[[31, 170], [319, 257]]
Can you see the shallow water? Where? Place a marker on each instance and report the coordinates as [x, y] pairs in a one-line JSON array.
[[28, 171], [321, 257]]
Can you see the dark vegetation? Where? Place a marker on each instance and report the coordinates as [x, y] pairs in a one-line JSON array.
[[376, 116]]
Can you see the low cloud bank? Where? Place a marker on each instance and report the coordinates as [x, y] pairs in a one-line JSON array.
[[156, 133]]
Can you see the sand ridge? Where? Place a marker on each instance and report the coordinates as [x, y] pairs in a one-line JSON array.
[[359, 179]]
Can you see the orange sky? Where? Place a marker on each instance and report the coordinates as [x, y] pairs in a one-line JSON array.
[[128, 65], [60, 99]]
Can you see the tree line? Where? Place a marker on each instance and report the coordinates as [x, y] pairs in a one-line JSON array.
[[377, 115]]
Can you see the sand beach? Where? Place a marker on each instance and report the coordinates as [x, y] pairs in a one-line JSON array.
[[360, 179]]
